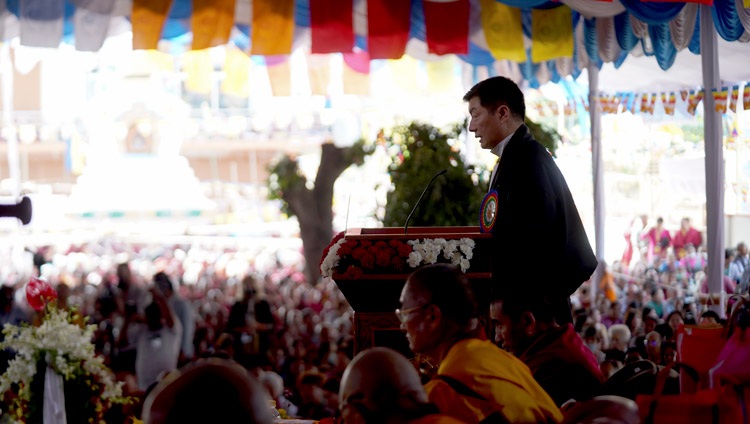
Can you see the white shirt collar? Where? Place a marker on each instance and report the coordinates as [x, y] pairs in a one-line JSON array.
[[499, 147]]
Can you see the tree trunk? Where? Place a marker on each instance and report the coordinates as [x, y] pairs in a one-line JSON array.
[[313, 208]]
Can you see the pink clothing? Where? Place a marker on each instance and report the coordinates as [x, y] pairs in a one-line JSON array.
[[657, 243], [729, 285]]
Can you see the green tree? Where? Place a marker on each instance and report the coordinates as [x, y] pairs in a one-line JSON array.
[[313, 205], [422, 151]]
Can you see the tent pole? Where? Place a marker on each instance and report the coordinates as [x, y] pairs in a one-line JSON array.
[[598, 175], [712, 134], [7, 69]]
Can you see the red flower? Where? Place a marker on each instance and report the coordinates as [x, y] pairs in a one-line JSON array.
[[383, 257], [405, 250], [358, 253], [336, 238], [365, 243], [398, 263], [368, 261], [381, 244], [346, 248], [395, 243], [38, 293], [353, 273]]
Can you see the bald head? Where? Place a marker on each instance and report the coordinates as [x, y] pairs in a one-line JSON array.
[[212, 390], [381, 382]]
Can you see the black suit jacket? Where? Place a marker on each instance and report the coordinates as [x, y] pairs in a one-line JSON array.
[[538, 238]]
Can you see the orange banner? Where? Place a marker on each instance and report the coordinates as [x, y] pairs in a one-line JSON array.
[[280, 77], [212, 22], [273, 27], [147, 19]]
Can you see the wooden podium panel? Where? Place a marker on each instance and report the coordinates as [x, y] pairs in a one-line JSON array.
[[374, 296]]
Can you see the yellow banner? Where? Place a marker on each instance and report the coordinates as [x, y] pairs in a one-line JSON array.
[[147, 18], [198, 71], [404, 73], [551, 34], [746, 3], [503, 30], [440, 75], [273, 27], [319, 73], [212, 22], [280, 77], [237, 73], [356, 83]]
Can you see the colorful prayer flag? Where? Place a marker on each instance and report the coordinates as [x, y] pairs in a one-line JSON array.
[[147, 19], [503, 29], [447, 26], [41, 22], [279, 75], [319, 74], [720, 99], [734, 98], [332, 26], [212, 22], [236, 81], [198, 71], [441, 76], [746, 97], [388, 23], [91, 22], [273, 27], [551, 33], [357, 73]]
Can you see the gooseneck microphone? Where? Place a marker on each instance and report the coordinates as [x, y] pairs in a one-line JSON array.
[[416, 205]]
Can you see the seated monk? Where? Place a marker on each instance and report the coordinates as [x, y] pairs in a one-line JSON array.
[[381, 386], [556, 355], [208, 391], [476, 381]]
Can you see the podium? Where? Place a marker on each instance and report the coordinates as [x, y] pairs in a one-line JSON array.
[[372, 286]]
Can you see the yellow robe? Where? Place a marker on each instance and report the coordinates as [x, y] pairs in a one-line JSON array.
[[497, 382]]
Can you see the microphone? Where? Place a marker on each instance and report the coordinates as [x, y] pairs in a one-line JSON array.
[[20, 210], [416, 205]]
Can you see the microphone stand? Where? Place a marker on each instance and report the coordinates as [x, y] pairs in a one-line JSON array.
[[416, 205]]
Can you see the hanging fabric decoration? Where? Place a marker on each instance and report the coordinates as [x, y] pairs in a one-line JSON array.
[[585, 104], [684, 95], [332, 26], [743, 13], [212, 22], [652, 103], [720, 99], [746, 97], [727, 21], [319, 74], [682, 26], [551, 34], [694, 97], [441, 76], [661, 40], [503, 30], [447, 26], [668, 101], [41, 22], [651, 12], [273, 27], [91, 23], [147, 19], [595, 9], [279, 75], [237, 72], [606, 38], [388, 23], [733, 98], [644, 103], [356, 77], [198, 71]]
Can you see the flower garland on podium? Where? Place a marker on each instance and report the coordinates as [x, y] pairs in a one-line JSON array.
[[53, 361], [353, 258]]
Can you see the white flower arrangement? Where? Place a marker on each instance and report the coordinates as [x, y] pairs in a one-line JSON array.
[[425, 251], [428, 251], [67, 349]]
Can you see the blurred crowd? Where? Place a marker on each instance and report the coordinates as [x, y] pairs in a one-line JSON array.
[[159, 308]]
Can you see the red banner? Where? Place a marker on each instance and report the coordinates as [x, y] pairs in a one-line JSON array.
[[447, 26], [332, 27], [388, 23]]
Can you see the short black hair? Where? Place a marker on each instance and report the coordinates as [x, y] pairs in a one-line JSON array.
[[449, 290], [496, 91], [517, 301]]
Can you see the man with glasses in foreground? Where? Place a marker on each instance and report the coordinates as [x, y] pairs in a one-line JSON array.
[[476, 381]]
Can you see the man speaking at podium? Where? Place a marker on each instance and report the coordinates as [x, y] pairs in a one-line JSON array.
[[539, 242]]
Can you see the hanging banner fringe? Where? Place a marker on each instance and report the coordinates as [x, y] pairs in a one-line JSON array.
[[734, 98]]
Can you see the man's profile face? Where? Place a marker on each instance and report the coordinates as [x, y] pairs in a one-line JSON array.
[[411, 315], [507, 335], [486, 124]]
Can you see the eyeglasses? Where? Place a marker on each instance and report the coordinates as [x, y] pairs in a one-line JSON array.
[[403, 314]]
